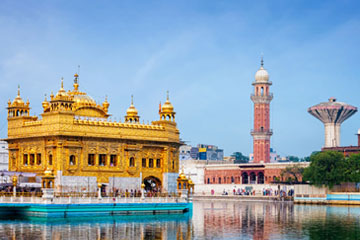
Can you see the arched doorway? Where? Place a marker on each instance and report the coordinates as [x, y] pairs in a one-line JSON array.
[[245, 178], [252, 178], [260, 178], [152, 183]]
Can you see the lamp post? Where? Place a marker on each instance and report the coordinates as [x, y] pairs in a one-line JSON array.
[[14, 182], [142, 191]]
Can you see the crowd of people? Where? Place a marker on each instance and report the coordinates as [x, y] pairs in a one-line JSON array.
[[265, 192]]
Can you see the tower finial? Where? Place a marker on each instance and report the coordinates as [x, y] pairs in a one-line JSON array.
[[62, 82], [132, 99], [167, 95], [19, 90], [262, 59]]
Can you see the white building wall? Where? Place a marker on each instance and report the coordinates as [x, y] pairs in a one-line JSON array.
[[4, 156], [169, 182]]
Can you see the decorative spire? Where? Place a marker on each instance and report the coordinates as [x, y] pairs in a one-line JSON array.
[[62, 82], [262, 60], [76, 85], [167, 95], [19, 90], [132, 100]]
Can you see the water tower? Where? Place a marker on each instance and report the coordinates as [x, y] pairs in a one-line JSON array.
[[332, 114]]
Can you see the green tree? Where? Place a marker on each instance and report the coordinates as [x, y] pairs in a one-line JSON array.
[[292, 173], [293, 159], [352, 168], [326, 168], [240, 158]]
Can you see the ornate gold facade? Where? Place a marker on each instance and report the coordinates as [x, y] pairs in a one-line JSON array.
[[74, 137]]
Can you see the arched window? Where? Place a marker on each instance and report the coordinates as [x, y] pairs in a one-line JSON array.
[[208, 181], [151, 163], [219, 180], [232, 180], [25, 159], [50, 160], [38, 159], [132, 162], [262, 91], [102, 159], [143, 162], [32, 159], [72, 160], [113, 160]]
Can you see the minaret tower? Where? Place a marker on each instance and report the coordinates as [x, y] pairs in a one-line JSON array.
[[261, 132]]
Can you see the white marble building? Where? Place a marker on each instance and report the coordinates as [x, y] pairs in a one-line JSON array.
[[4, 156]]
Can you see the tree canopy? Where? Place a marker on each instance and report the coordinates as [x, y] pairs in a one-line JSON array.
[[326, 168], [292, 173]]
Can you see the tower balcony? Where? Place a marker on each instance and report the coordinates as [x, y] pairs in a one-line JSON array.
[[259, 132], [261, 98]]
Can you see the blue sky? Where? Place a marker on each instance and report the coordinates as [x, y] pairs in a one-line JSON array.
[[204, 52]]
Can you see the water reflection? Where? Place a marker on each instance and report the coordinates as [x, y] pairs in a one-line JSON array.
[[266, 220], [176, 226], [210, 220]]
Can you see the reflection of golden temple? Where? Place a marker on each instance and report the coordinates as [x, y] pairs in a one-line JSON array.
[[47, 181], [75, 139]]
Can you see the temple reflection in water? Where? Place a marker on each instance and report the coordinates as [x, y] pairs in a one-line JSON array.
[[122, 227], [217, 220]]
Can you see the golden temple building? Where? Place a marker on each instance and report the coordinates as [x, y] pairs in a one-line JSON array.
[[77, 141]]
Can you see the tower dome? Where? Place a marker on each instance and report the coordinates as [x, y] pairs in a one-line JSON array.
[[167, 110], [262, 75], [167, 107], [45, 104], [61, 92], [18, 100], [132, 112]]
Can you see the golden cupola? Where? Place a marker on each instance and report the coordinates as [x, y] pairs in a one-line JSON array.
[[61, 93], [62, 102], [106, 105], [18, 100], [45, 104], [132, 113], [17, 107], [167, 110], [84, 105]]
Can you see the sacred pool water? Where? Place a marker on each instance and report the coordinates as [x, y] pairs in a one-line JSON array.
[[210, 220]]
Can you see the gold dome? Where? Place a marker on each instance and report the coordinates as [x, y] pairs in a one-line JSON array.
[[48, 172], [18, 100], [190, 182], [167, 107], [45, 103], [61, 92], [83, 98], [182, 176], [132, 111], [106, 104]]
